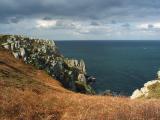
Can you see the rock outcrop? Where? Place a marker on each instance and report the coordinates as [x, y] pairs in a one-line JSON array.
[[150, 89], [44, 54]]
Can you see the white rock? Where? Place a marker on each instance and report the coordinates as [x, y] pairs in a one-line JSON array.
[[9, 40], [17, 45], [12, 46], [82, 66], [71, 62], [158, 74], [16, 55], [6, 46], [76, 62], [44, 49], [25, 59], [53, 63], [149, 83], [51, 42], [136, 94], [81, 77], [144, 90], [22, 52]]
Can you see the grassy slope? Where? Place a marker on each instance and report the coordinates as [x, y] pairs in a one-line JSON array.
[[27, 93], [154, 91]]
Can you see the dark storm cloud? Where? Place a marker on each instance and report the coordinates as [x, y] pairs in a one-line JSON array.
[[62, 8], [76, 9]]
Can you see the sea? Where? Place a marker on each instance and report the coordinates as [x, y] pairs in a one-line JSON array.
[[118, 65]]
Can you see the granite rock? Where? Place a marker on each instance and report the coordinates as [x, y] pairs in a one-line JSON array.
[[44, 54]]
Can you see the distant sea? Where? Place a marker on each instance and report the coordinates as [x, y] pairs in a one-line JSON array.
[[119, 66]]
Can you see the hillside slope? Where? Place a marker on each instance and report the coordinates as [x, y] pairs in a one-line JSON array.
[[44, 55], [27, 93]]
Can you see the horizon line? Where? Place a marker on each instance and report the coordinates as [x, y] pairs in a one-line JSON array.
[[106, 40]]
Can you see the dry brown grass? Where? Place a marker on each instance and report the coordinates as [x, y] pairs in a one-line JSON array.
[[30, 94]]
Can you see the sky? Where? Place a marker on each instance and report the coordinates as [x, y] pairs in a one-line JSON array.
[[82, 19]]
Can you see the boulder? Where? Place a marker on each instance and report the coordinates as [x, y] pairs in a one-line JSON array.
[[90, 79], [158, 74], [15, 54], [109, 93], [81, 77], [136, 94], [22, 52]]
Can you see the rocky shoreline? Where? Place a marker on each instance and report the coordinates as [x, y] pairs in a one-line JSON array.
[[151, 89], [44, 55]]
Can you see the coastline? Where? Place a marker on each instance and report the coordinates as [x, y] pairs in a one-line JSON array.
[[43, 54]]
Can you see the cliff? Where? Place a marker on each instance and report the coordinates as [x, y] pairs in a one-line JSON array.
[[150, 90], [28, 93], [44, 55]]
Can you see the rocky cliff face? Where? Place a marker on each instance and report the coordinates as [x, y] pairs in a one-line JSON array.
[[151, 89], [44, 54]]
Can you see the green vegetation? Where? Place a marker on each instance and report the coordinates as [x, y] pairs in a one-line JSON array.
[[44, 55]]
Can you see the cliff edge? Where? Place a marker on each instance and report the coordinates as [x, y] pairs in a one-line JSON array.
[[28, 93], [150, 90], [44, 55]]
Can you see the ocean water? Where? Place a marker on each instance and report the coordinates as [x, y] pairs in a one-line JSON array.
[[119, 66]]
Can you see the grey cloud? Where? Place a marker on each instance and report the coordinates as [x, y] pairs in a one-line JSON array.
[[94, 23], [126, 25], [113, 22], [83, 9], [96, 17], [150, 26], [47, 18]]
